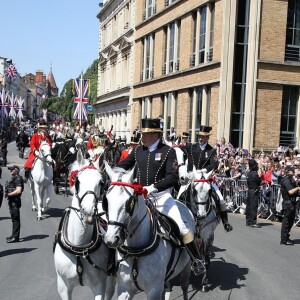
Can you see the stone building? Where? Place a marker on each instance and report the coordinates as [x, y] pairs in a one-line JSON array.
[[230, 64], [115, 73]]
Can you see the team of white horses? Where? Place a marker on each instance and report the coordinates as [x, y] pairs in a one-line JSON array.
[[132, 240]]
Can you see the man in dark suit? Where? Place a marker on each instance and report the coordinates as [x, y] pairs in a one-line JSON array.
[[204, 157], [157, 172]]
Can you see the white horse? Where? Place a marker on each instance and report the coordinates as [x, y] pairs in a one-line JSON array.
[[145, 259], [206, 216], [41, 178], [80, 255]]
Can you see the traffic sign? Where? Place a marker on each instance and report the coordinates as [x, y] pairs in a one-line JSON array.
[[90, 108]]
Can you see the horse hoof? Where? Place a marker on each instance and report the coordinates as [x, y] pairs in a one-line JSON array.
[[204, 289], [34, 209], [39, 218]]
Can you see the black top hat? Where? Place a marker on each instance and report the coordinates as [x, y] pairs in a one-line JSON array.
[[185, 134], [134, 140], [253, 165], [150, 125], [204, 130]]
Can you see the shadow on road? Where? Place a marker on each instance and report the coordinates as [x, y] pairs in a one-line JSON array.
[[34, 237], [16, 251], [216, 275], [4, 218], [53, 213]]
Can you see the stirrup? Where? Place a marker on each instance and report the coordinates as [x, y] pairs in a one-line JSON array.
[[198, 267]]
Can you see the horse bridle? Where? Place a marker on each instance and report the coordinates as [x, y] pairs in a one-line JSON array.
[[130, 203], [209, 180], [44, 157], [74, 180]]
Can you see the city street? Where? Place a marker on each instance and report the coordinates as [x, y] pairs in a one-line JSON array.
[[248, 263]]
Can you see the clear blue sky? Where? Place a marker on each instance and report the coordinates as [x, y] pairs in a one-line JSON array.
[[36, 33]]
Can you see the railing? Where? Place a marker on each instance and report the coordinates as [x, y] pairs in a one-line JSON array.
[[235, 193]]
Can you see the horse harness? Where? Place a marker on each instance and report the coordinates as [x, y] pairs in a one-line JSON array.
[[100, 225], [156, 233], [83, 251]]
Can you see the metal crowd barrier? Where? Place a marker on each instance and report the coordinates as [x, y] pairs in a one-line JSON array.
[[235, 193]]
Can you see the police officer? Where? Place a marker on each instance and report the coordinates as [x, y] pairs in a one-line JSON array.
[[204, 157], [13, 192], [289, 190], [253, 183], [157, 172]]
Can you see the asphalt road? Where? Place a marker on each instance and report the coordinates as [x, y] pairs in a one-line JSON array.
[[248, 263]]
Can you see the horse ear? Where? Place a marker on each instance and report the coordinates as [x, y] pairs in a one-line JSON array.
[[130, 176], [208, 175], [108, 169]]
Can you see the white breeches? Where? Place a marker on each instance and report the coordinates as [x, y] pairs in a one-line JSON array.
[[164, 202]]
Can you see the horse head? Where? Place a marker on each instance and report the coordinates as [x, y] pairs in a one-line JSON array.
[[201, 186], [88, 184], [121, 198], [45, 153]]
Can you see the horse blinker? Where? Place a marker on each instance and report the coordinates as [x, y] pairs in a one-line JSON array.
[[129, 205]]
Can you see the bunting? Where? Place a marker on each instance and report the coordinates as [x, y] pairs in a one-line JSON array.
[[11, 72]]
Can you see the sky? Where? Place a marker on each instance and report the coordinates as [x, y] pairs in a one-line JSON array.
[[38, 33]]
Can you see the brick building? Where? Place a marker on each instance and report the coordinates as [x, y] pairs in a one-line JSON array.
[[230, 64]]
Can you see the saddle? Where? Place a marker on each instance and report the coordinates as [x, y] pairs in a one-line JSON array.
[[168, 229]]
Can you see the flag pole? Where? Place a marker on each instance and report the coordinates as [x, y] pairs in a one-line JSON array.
[[80, 101]]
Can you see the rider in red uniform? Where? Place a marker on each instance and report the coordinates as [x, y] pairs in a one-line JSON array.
[[37, 138], [133, 143]]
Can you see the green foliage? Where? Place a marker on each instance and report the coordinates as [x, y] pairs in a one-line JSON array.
[[64, 104]]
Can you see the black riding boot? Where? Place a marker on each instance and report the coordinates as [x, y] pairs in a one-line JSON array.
[[224, 218], [197, 265], [27, 172]]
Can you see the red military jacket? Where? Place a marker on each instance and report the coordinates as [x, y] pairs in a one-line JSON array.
[[35, 143]]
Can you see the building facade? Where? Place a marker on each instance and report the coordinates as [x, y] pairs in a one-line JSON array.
[[116, 66], [229, 64]]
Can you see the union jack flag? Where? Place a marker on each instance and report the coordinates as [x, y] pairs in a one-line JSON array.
[[12, 105], [20, 107], [81, 91], [11, 71], [4, 102]]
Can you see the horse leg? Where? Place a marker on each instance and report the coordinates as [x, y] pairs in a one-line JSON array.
[[38, 192], [64, 290], [185, 280], [47, 194], [31, 184], [110, 287]]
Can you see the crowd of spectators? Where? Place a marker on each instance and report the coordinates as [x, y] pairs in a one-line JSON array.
[[233, 162]]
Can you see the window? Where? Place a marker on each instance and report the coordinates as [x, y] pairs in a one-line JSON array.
[[172, 48], [150, 8], [148, 57], [146, 107], [203, 34], [289, 115], [240, 71], [293, 31]]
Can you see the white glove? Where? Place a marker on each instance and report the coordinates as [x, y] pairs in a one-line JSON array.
[[36, 152], [72, 150], [98, 150], [150, 189]]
